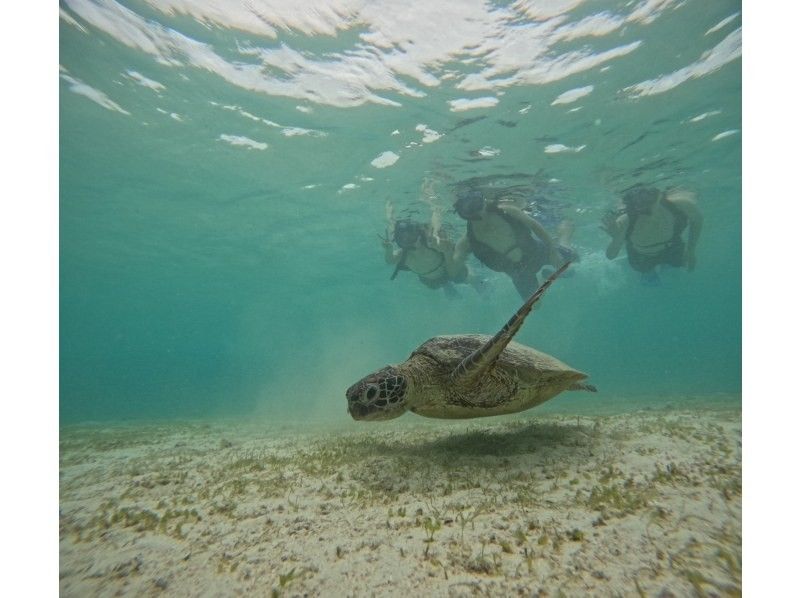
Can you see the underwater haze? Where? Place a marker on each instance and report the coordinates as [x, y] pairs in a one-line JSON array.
[[225, 171]]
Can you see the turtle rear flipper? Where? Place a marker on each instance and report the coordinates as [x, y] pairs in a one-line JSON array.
[[477, 363], [586, 387]]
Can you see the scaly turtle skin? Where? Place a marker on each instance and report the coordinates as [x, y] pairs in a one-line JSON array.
[[467, 375]]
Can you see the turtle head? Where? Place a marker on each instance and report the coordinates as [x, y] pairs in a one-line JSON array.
[[379, 396]]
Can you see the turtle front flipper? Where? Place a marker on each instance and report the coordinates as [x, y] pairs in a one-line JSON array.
[[476, 364]]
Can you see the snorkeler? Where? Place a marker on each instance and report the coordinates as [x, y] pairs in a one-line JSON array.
[[651, 227], [430, 256], [506, 239]]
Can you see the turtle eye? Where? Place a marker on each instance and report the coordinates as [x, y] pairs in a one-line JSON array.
[[372, 390]]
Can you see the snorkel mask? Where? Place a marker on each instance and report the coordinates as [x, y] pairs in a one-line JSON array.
[[640, 199], [406, 233], [469, 205]]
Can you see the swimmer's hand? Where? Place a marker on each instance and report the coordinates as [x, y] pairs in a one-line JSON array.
[[610, 224], [389, 211], [444, 244]]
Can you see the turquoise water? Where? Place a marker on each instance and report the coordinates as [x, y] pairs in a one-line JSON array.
[[222, 194]]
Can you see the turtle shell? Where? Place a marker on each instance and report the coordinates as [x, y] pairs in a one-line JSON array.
[[522, 362]]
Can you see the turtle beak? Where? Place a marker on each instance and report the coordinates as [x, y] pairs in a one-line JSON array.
[[356, 410], [355, 407]]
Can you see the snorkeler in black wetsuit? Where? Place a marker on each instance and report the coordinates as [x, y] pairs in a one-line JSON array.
[[651, 228], [505, 239]]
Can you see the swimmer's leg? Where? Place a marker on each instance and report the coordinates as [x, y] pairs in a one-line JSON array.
[[525, 282]]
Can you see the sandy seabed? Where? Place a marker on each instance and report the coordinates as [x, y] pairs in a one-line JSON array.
[[632, 504]]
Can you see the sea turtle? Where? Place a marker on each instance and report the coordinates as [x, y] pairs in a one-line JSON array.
[[467, 375]]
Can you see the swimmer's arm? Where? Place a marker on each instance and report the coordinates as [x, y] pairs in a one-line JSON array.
[[449, 263], [443, 244], [461, 250], [454, 259], [615, 227], [391, 254], [685, 202], [695, 226], [531, 223], [436, 225]]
